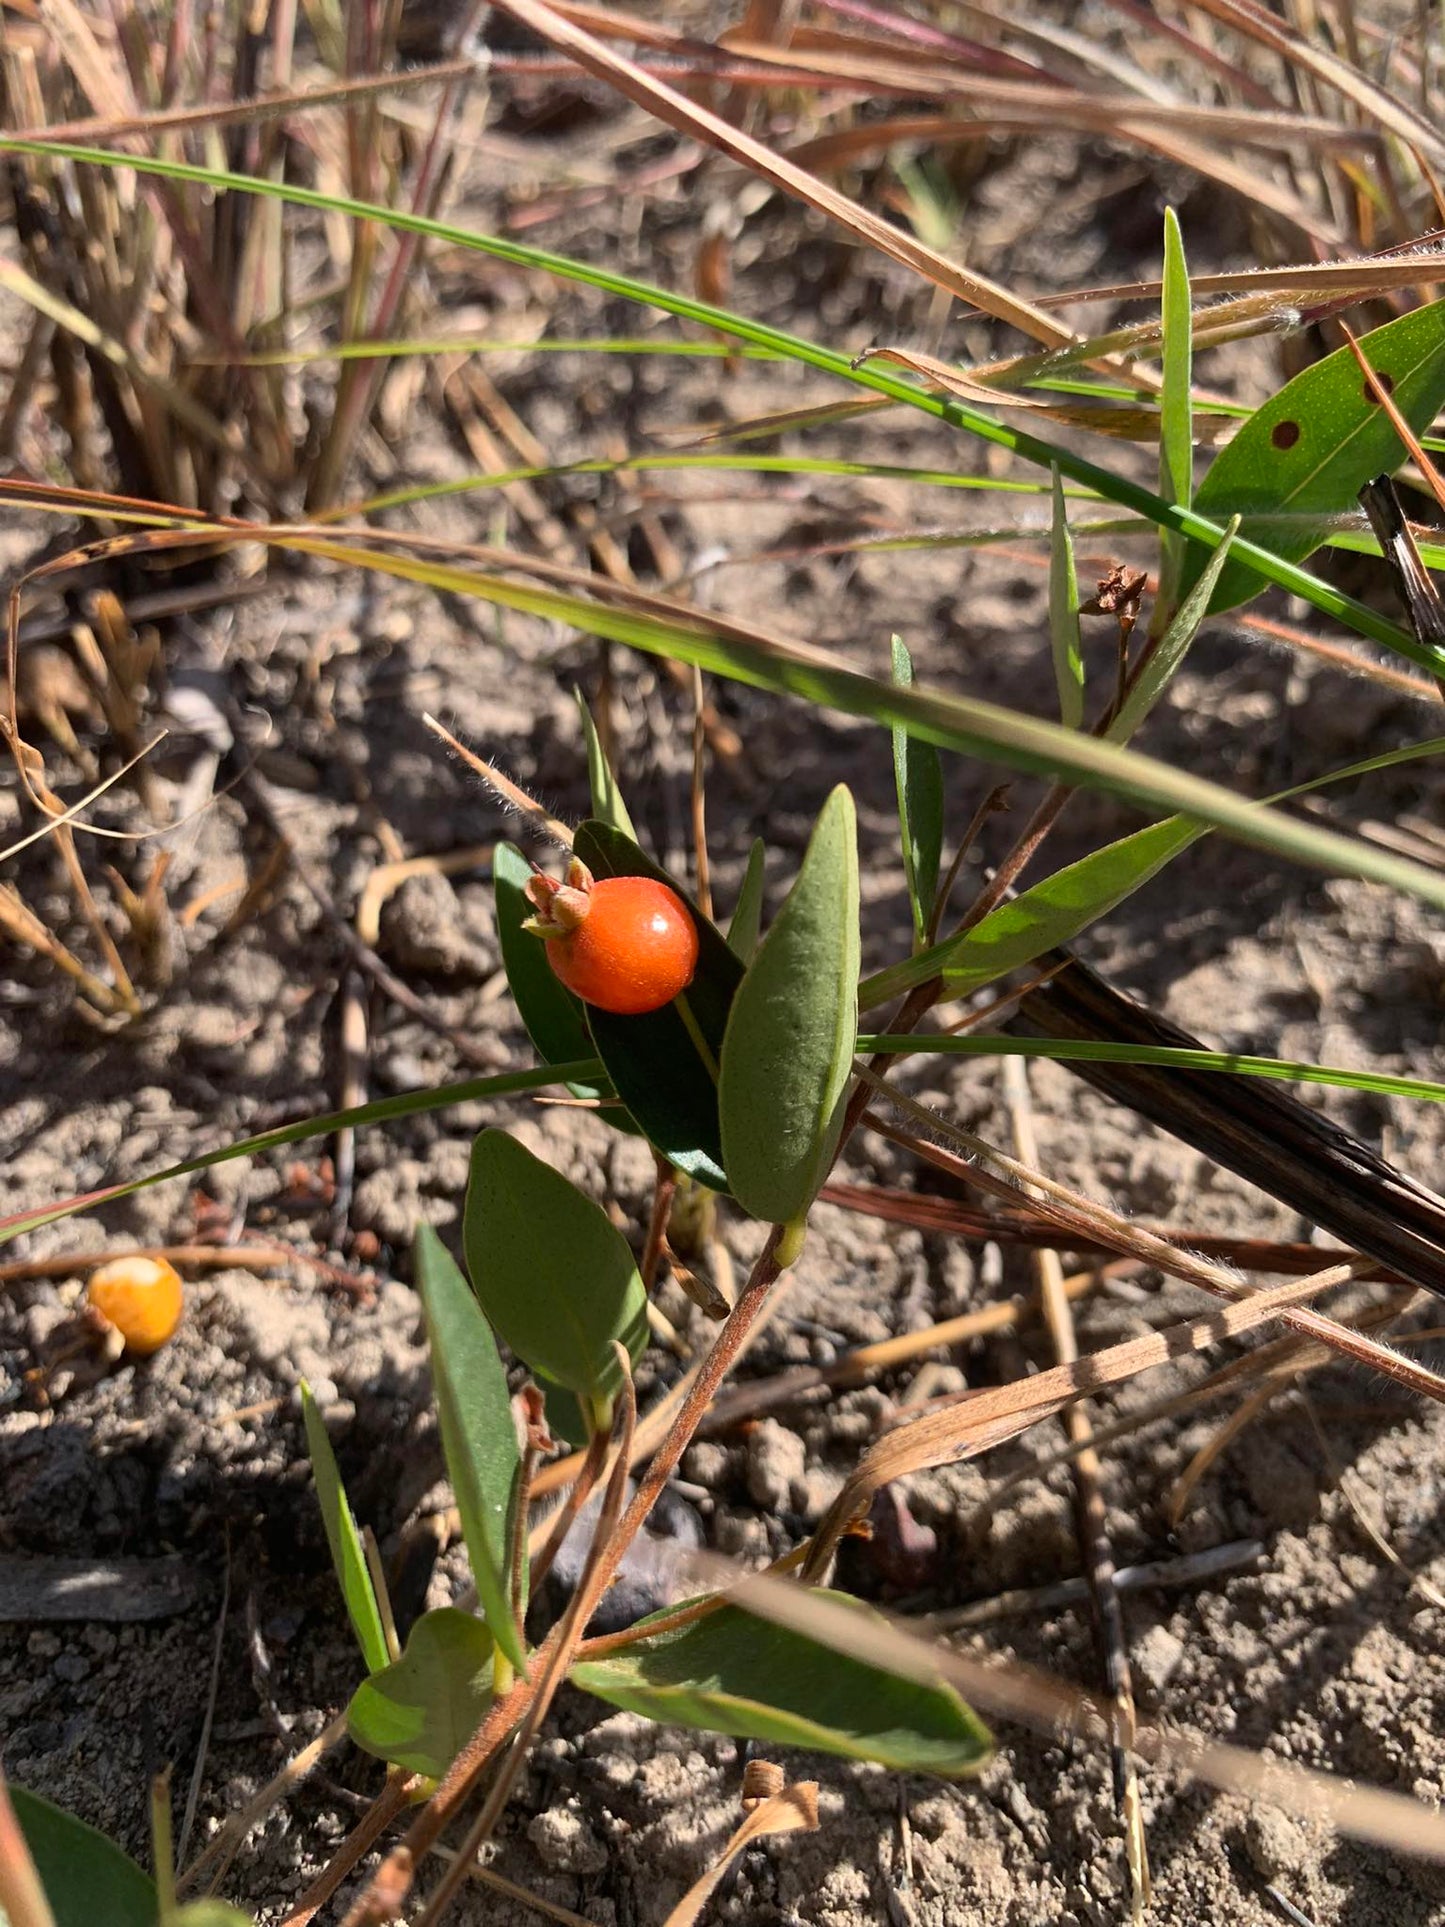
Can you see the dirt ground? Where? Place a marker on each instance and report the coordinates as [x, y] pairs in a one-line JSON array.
[[1318, 1650]]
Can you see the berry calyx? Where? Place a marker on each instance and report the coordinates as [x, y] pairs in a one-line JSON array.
[[624, 944], [140, 1298]]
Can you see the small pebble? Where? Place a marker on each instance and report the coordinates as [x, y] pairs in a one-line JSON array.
[[565, 1842], [777, 1461]]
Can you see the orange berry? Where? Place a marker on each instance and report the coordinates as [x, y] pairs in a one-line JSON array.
[[140, 1297], [625, 944]]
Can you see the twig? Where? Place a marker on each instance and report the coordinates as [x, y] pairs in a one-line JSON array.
[[1091, 1523], [1185, 1571]]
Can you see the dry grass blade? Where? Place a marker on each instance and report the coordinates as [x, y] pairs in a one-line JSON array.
[[793, 1810], [1382, 107], [1047, 1706], [260, 107], [869, 228], [975, 1422], [1078, 1215]]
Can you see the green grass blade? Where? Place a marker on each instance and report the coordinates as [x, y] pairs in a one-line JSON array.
[[347, 1556], [608, 805], [1054, 911], [479, 1435], [1064, 615], [918, 776], [381, 1111], [964, 724], [1173, 646], [1176, 413], [1084, 1050], [1029, 447]]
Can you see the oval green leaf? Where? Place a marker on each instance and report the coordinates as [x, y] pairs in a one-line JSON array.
[[344, 1539], [420, 1711], [653, 1061], [1310, 449], [731, 1672], [86, 1877], [553, 1273], [479, 1435], [789, 1043], [918, 773]]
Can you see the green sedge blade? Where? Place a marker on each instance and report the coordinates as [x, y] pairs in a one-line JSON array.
[[607, 802], [1064, 615], [479, 1434], [344, 1540], [918, 774]]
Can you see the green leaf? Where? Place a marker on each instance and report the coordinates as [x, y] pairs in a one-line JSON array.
[[420, 1711], [1087, 1050], [479, 1434], [554, 1018], [567, 1418], [1058, 908], [434, 1097], [652, 1060], [789, 1044], [1176, 412], [344, 1539], [918, 773], [87, 1879], [209, 1913], [1064, 615], [1313, 446], [747, 919], [731, 1672], [868, 375], [1173, 646], [553, 1273], [607, 804]]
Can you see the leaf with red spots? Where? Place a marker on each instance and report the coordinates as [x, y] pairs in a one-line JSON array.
[[1304, 456]]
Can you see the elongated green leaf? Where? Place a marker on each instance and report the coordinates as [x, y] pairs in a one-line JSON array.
[[918, 774], [869, 375], [435, 1097], [653, 1060], [953, 722], [1313, 446], [788, 1049], [420, 1711], [87, 1879], [1058, 908], [479, 1435], [747, 919], [1176, 424], [607, 803], [1160, 666], [731, 1672], [344, 1539], [553, 1273], [1084, 1050], [209, 1913], [1064, 615]]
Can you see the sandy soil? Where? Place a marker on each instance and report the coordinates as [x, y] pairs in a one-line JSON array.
[[1319, 1651]]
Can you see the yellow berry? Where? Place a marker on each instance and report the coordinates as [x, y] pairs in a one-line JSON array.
[[140, 1297]]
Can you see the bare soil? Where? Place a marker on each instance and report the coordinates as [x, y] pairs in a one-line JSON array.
[[1320, 1651]]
